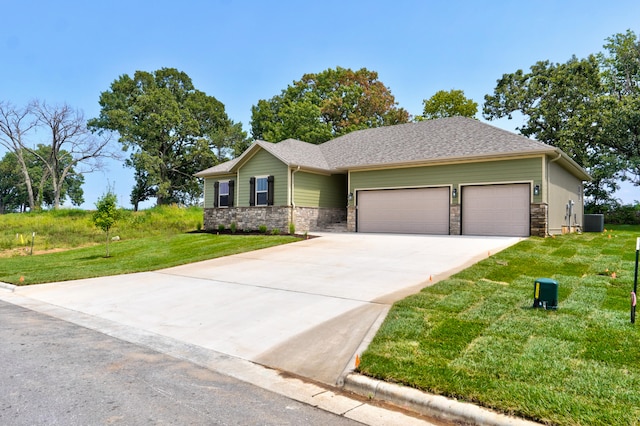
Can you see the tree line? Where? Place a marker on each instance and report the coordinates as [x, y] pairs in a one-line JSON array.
[[590, 108], [33, 174]]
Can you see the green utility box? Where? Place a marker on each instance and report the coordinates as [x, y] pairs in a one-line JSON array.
[[545, 293]]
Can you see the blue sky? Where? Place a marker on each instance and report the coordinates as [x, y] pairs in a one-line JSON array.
[[243, 51]]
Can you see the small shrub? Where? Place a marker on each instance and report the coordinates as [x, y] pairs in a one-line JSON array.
[[6, 243], [220, 227], [275, 231], [292, 228], [233, 227], [262, 229], [199, 226]]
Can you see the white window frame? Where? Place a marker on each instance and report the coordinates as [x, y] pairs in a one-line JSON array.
[[220, 194], [265, 191]]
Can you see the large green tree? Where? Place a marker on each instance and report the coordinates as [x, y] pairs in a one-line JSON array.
[[322, 106], [171, 131], [620, 119], [13, 193], [450, 103], [587, 107]]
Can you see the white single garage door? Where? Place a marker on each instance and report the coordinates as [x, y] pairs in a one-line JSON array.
[[411, 211], [496, 210]]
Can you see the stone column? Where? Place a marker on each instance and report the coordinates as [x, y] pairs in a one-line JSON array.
[[455, 224], [539, 219], [351, 219]]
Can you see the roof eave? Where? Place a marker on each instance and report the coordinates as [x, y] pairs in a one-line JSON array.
[[571, 164], [234, 168], [312, 169], [446, 160]]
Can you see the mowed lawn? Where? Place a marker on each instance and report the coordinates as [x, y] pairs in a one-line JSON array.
[[477, 338]]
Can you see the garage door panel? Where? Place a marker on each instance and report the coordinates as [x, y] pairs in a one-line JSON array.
[[496, 210], [422, 210]]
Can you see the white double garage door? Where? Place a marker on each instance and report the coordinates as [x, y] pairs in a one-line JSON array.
[[485, 210]]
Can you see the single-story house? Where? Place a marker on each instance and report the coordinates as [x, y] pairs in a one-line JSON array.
[[451, 176]]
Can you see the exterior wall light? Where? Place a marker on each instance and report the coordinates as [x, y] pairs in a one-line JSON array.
[[350, 196], [536, 190], [454, 193]]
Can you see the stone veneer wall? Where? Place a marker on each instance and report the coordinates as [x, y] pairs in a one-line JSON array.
[[351, 219], [455, 220], [251, 218], [539, 220], [317, 218]]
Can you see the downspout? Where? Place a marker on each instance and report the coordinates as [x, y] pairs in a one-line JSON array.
[[293, 198]]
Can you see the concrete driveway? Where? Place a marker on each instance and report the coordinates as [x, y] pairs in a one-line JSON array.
[[306, 308]]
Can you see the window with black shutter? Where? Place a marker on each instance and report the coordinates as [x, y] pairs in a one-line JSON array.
[[262, 191], [270, 190], [231, 192], [223, 194], [252, 191]]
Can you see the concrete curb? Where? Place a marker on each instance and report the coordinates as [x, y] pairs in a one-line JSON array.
[[430, 405], [8, 286]]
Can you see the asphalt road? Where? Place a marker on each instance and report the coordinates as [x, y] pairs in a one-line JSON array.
[[57, 373]]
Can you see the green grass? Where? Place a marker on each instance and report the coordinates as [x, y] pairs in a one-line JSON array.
[[476, 337], [71, 247], [145, 254]]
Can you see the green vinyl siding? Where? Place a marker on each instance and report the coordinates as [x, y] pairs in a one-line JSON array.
[[263, 164], [517, 170], [315, 190], [209, 192], [563, 187]]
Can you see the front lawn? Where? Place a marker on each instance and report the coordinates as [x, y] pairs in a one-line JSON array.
[[476, 337], [127, 256]]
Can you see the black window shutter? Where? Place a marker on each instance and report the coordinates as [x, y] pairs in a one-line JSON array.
[[216, 193], [252, 191], [270, 190], [231, 192]]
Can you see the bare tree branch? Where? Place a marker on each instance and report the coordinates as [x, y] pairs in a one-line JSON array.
[[15, 125], [71, 143]]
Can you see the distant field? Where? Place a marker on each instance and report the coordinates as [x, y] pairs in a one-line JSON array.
[[67, 246]]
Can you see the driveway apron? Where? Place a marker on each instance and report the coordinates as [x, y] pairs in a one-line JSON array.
[[306, 308]]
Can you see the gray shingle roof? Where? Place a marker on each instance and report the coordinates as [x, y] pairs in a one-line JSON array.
[[445, 139], [430, 140], [221, 168], [297, 153]]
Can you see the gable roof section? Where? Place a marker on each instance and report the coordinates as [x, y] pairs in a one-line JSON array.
[[291, 152], [297, 153], [222, 168], [442, 140]]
